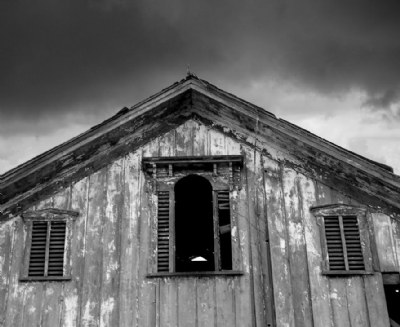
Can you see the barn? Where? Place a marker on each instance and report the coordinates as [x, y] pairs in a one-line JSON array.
[[197, 208]]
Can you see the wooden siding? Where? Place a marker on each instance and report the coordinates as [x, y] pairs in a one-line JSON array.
[[112, 251]]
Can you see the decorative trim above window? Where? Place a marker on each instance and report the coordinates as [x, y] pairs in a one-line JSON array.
[[345, 239], [228, 167], [47, 247]]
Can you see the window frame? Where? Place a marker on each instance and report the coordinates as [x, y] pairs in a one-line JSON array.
[[221, 179], [47, 215], [363, 221]]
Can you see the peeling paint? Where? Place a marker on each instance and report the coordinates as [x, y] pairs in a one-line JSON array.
[[107, 308], [71, 306], [87, 318]]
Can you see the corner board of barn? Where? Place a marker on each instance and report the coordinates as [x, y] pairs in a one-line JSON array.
[[196, 208]]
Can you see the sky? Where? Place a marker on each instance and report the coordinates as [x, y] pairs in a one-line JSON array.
[[329, 66]]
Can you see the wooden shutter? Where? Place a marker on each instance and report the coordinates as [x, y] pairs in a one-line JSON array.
[[224, 227], [163, 232], [56, 248], [47, 249], [37, 257], [343, 243], [353, 243]]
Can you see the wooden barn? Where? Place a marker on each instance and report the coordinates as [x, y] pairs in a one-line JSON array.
[[197, 208]]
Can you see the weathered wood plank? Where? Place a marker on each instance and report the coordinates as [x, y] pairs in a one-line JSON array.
[[236, 249], [337, 286], [33, 297], [34, 301], [37, 308], [72, 294], [358, 310], [376, 302], [254, 178], [297, 250], [187, 311], [168, 315], [339, 197], [130, 242], [15, 300], [264, 249], [319, 284], [279, 244], [92, 277], [243, 298], [167, 144], [322, 194], [225, 302], [216, 143], [205, 309], [232, 146], [52, 305], [338, 296], [206, 303], [200, 140], [146, 287], [184, 139], [6, 237], [396, 238], [386, 247], [109, 315]]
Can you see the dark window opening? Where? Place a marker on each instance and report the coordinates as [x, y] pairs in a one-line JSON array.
[[194, 225], [224, 222], [392, 294]]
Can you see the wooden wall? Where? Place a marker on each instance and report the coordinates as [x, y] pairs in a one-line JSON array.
[[111, 251]]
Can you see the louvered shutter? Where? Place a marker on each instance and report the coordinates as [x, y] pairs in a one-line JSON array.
[[353, 243], [224, 224], [37, 258], [163, 232], [56, 248], [334, 244], [47, 249], [343, 243]]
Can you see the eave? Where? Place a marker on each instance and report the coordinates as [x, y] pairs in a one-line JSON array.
[[131, 128]]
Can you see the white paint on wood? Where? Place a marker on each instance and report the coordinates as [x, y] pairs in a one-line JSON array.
[[71, 310], [319, 284], [385, 243]]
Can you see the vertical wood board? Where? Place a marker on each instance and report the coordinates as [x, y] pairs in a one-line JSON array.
[[297, 250], [319, 284], [279, 244], [386, 246]]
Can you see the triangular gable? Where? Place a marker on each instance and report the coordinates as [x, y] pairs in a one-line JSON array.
[[193, 98]]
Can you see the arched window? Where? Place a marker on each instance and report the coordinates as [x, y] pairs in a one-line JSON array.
[[194, 228], [194, 224]]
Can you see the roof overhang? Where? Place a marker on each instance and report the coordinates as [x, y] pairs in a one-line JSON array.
[[192, 98]]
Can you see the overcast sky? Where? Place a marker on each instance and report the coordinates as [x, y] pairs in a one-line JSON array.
[[332, 67]]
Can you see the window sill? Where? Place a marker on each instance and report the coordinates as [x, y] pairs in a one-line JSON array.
[[46, 279], [339, 273], [196, 274]]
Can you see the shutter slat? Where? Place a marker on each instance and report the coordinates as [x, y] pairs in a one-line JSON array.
[[334, 243], [163, 232], [56, 248], [355, 259], [38, 249], [353, 243]]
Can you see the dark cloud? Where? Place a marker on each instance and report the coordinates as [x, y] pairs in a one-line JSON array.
[[60, 57]]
